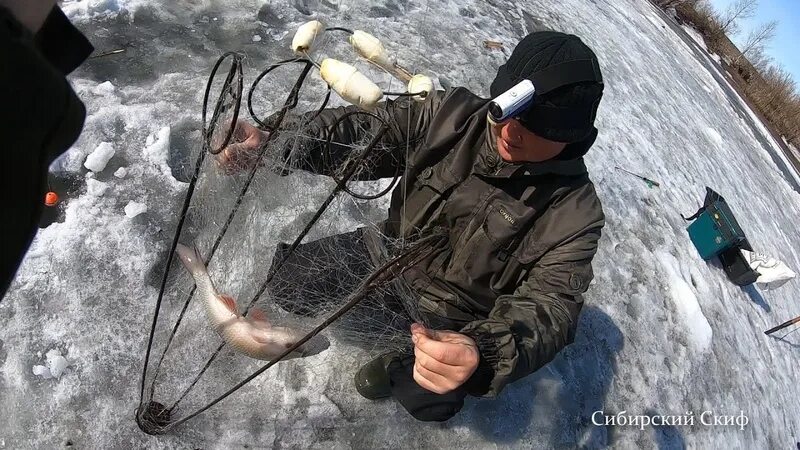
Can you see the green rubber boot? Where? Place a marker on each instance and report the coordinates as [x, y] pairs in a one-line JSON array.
[[372, 379]]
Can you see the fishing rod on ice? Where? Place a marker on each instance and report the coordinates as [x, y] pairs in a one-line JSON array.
[[650, 183], [786, 324]]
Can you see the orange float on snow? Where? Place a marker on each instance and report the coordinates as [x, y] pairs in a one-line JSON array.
[[51, 199]]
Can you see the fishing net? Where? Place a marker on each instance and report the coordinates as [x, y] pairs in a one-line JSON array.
[[295, 244]]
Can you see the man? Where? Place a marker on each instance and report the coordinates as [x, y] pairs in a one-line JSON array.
[[522, 217], [40, 116]]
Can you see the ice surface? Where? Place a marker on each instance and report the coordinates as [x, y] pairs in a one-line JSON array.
[[97, 160], [658, 335]]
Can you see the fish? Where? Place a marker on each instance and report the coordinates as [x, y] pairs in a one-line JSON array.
[[254, 335]]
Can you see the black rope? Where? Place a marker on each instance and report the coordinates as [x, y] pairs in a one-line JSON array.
[[235, 70], [208, 130], [187, 200], [169, 341], [290, 100], [360, 159], [320, 211], [407, 94], [186, 203], [346, 30]]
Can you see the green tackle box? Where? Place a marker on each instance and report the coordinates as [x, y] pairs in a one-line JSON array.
[[715, 230]]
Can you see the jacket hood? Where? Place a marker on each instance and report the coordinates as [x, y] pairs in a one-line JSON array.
[[580, 148]]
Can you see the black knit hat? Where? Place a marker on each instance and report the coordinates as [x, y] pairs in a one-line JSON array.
[[568, 81]]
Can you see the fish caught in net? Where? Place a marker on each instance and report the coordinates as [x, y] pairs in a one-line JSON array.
[[291, 230]]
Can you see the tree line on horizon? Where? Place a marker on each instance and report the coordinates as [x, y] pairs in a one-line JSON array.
[[766, 84]]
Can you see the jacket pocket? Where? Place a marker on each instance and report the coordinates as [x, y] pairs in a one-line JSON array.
[[426, 199], [484, 255], [501, 224]]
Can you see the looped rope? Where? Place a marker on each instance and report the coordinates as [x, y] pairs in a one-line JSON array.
[[234, 71]]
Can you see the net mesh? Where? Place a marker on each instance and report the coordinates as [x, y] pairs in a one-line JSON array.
[[341, 250]]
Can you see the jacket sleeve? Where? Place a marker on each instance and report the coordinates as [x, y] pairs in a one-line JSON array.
[[40, 117], [305, 136], [524, 331]]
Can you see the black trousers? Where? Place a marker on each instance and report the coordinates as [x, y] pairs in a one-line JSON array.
[[421, 403], [328, 270]]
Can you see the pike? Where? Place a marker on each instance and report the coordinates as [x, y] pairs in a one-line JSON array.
[[253, 336]]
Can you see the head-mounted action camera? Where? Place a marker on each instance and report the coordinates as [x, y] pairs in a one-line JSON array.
[[512, 102]]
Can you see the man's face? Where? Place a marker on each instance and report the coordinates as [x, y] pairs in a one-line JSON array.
[[516, 144]]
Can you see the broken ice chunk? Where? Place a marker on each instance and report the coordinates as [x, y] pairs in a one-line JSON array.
[[97, 160], [133, 209], [42, 371], [54, 366], [96, 188], [103, 88], [56, 363], [157, 145]]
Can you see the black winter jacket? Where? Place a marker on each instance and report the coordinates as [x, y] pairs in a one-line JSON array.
[[40, 118], [521, 236]]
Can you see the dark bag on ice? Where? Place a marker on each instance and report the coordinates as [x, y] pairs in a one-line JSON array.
[[716, 233]]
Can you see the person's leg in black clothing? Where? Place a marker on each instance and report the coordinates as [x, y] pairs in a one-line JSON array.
[[421, 403]]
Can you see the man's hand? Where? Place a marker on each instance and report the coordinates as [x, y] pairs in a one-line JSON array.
[[242, 152], [444, 360]]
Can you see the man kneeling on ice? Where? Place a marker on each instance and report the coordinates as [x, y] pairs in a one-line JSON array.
[[522, 217]]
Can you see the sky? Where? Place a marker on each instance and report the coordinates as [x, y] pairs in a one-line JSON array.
[[784, 48]]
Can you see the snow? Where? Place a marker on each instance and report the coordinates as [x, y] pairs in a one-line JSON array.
[[96, 188], [133, 209], [685, 302], [104, 88], [157, 149], [696, 36], [97, 160], [661, 332], [714, 136]]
